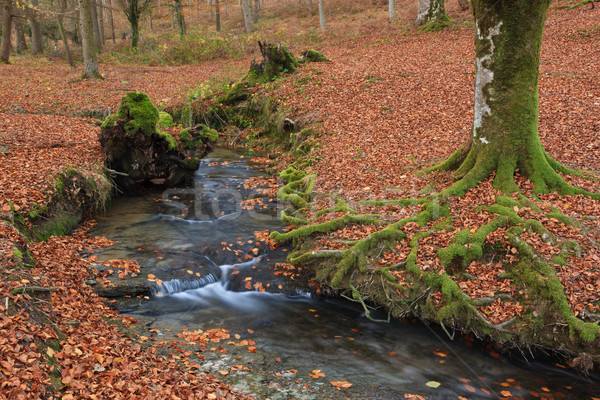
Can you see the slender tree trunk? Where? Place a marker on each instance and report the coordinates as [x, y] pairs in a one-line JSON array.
[[505, 127], [218, 15], [322, 15], [463, 4], [180, 18], [255, 11], [226, 7], [37, 45], [111, 21], [101, 21], [95, 25], [431, 11], [21, 43], [247, 12], [310, 7], [7, 18], [62, 4], [210, 10], [90, 62], [391, 10]]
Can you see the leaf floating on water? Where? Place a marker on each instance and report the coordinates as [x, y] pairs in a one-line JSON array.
[[341, 384], [433, 384]]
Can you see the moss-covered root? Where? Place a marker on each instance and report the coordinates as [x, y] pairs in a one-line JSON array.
[[542, 278], [295, 194]]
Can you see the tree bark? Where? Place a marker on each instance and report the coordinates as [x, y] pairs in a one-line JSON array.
[[101, 21], [90, 63], [7, 17], [180, 18], [21, 43], [322, 15], [95, 25], [505, 128], [37, 45], [218, 15], [310, 7], [62, 4], [391, 10], [255, 11], [111, 21], [247, 13], [431, 11]]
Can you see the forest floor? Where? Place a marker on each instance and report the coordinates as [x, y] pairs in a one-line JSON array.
[[387, 105]]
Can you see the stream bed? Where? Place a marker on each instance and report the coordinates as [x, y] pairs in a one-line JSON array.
[[200, 248]]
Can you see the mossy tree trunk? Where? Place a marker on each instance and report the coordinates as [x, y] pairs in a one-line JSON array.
[[505, 128], [431, 11], [180, 18]]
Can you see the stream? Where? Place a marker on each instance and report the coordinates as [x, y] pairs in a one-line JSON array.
[[209, 271]]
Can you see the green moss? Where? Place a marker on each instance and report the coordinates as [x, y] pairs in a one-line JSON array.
[[559, 260], [313, 56], [165, 120], [210, 134], [139, 112], [185, 136], [172, 143], [59, 226], [109, 122]]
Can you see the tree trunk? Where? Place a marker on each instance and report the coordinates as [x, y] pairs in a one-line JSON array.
[[180, 18], [322, 15], [463, 4], [6, 28], [255, 11], [310, 7], [210, 10], [431, 11], [111, 21], [90, 63], [21, 43], [62, 4], [505, 127], [391, 10], [134, 22], [101, 21], [95, 25], [247, 12], [36, 30], [218, 15]]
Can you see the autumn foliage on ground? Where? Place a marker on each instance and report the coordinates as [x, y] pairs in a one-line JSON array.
[[389, 102]]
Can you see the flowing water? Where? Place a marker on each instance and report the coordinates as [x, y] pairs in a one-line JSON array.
[[211, 273]]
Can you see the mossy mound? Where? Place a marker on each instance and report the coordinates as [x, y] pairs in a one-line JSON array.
[[139, 153], [313, 56]]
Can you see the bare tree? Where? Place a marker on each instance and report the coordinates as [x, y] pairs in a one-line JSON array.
[[247, 13], [391, 10], [133, 10], [7, 17], [101, 21], [95, 25], [322, 15], [90, 62], [36, 28], [255, 11], [21, 43], [62, 8], [218, 15], [111, 20]]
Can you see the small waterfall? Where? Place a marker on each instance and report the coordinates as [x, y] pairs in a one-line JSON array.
[[176, 285]]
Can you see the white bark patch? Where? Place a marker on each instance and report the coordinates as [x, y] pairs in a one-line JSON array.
[[424, 6], [483, 76]]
